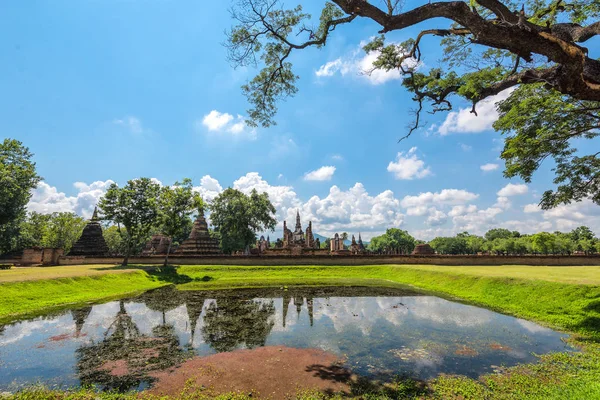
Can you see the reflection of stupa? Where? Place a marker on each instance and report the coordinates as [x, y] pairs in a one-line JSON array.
[[194, 304], [79, 317], [298, 302]]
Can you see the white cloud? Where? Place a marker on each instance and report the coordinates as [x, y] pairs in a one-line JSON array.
[[476, 221], [444, 197], [408, 166], [466, 147], [337, 157], [47, 199], [330, 68], [360, 64], [283, 197], [503, 202], [462, 210], [219, 122], [489, 167], [352, 210], [215, 121], [133, 124], [324, 173], [568, 216], [417, 211], [513, 190], [527, 226], [464, 121], [531, 208], [436, 217], [209, 188]]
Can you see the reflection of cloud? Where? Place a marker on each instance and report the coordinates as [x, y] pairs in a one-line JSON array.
[[17, 332], [359, 312], [533, 327], [443, 311]]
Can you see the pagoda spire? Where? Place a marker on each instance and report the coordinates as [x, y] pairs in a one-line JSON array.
[[298, 225], [95, 215]]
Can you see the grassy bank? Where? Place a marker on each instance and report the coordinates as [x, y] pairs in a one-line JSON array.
[[566, 298], [30, 298]]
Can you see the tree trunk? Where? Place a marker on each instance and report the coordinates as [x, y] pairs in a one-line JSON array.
[[167, 256], [127, 253]]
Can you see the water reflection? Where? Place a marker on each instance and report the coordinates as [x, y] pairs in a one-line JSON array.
[[378, 332]]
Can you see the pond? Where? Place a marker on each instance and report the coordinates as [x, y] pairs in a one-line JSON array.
[[376, 333]]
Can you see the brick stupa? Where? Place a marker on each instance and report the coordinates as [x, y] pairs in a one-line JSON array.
[[423, 249], [199, 243], [91, 242]]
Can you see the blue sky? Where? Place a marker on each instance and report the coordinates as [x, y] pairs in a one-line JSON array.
[[114, 90]]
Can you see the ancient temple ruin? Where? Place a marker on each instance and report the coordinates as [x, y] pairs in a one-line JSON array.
[[91, 242], [423, 249], [263, 244], [199, 243], [357, 247], [298, 238], [157, 245]]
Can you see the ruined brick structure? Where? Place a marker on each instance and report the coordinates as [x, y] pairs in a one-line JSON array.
[[41, 256], [357, 247], [297, 238], [199, 243], [157, 245], [263, 244], [423, 249], [91, 242]]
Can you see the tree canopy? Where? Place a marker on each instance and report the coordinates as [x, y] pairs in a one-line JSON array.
[[532, 48], [176, 205], [60, 230], [17, 178], [135, 206], [237, 218], [394, 241]]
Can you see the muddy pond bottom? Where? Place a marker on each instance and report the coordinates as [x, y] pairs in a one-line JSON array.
[[377, 333]]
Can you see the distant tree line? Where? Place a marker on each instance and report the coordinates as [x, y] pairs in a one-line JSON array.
[[141, 208], [497, 241], [44, 230], [501, 241]]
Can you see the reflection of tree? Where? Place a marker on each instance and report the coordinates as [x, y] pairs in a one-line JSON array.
[[122, 360], [232, 322], [163, 300], [123, 326]]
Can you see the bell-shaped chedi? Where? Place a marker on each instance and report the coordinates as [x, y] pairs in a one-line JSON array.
[[199, 243], [423, 249], [91, 242]]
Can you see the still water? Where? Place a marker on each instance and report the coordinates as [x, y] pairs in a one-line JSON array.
[[378, 333]]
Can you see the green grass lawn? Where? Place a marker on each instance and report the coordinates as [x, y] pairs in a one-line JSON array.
[[565, 298]]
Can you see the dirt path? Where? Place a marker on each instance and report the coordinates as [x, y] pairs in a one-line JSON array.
[[20, 274], [274, 372]]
